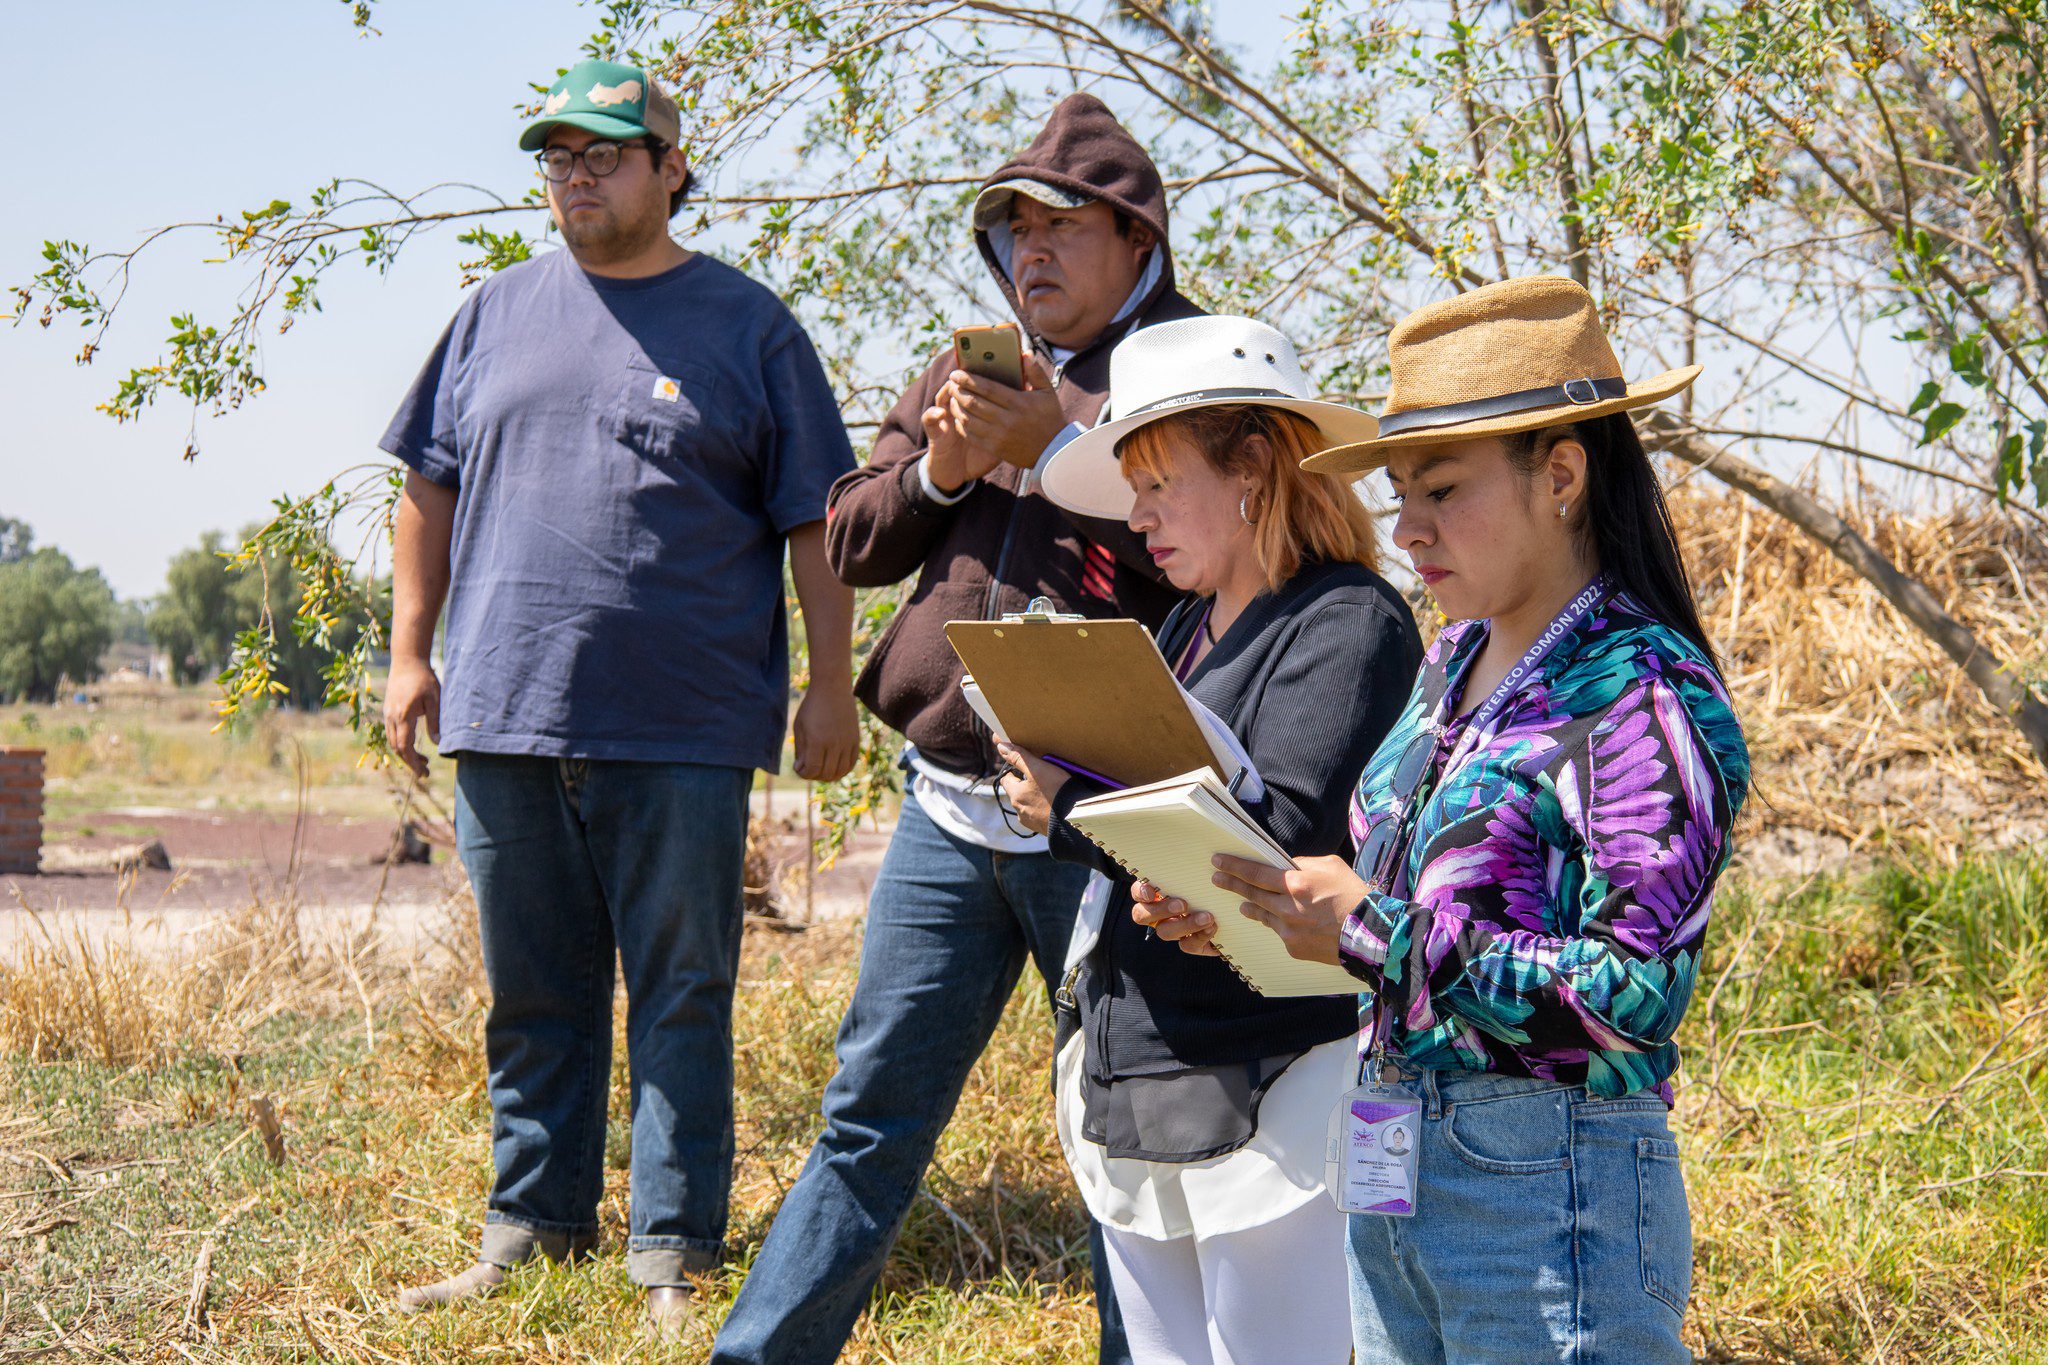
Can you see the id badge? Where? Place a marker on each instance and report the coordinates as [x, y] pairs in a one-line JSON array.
[[1374, 1152]]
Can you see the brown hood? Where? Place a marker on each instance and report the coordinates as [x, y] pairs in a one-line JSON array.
[[1085, 150]]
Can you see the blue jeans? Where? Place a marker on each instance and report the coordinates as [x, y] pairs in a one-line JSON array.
[[577, 864], [1549, 1225], [949, 927]]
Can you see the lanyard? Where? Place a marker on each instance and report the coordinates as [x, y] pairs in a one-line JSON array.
[[1561, 625], [1187, 655]]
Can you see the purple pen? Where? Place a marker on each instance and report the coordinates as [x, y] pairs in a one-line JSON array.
[[1079, 771]]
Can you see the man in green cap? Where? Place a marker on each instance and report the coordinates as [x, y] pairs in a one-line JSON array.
[[610, 450]]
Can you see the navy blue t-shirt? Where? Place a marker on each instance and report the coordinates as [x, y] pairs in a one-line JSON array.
[[629, 455]]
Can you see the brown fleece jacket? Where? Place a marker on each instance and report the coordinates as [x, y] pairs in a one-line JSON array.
[[993, 551]]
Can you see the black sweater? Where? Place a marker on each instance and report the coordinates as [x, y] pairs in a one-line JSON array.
[[1309, 678]]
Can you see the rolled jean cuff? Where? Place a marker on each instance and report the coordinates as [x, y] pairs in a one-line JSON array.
[[657, 1261], [509, 1241]]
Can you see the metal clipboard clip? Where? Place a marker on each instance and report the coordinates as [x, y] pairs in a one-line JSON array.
[[1040, 609]]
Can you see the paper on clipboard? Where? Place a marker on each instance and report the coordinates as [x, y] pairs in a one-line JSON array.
[[979, 705]]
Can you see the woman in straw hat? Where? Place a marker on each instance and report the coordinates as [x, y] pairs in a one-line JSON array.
[[1539, 839], [1193, 1110]]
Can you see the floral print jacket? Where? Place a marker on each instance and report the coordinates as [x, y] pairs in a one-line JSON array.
[[1545, 916]]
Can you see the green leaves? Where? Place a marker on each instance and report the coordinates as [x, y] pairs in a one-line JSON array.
[[2021, 462], [498, 251], [203, 365], [1943, 417], [1966, 358], [307, 621], [62, 284], [56, 620]]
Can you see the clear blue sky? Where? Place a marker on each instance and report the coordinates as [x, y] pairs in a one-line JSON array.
[[182, 111], [213, 107]]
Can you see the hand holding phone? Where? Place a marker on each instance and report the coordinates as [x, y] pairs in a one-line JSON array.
[[1009, 419], [992, 352]]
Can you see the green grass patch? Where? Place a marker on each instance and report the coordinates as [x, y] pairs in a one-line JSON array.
[[1860, 1108]]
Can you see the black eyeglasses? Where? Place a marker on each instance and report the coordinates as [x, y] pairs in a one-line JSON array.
[[1388, 837], [599, 158]]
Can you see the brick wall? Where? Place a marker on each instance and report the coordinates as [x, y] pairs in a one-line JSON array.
[[21, 809]]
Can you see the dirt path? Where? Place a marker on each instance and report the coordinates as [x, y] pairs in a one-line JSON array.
[[334, 867]]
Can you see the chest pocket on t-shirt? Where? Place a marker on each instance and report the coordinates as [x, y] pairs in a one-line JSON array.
[[668, 410]]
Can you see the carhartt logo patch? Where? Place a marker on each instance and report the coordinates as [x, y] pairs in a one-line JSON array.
[[667, 390], [625, 92]]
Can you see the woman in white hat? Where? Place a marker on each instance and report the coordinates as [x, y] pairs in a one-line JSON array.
[[1539, 839], [1193, 1110]]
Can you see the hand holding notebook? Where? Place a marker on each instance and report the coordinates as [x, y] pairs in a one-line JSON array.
[[1167, 833]]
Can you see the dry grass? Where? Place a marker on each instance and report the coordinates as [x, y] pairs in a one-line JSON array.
[[1862, 729], [1859, 1116], [386, 1129], [70, 994], [150, 744]]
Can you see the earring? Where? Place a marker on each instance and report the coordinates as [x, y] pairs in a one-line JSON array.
[[1562, 508], [1242, 514]]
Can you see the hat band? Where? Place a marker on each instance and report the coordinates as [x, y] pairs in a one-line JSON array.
[[1181, 400], [1576, 392]]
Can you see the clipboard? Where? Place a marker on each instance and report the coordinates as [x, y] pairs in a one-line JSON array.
[[1094, 694]]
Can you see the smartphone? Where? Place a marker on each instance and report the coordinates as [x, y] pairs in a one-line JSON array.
[[993, 352]]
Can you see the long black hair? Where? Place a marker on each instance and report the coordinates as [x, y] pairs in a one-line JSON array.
[[1626, 518]]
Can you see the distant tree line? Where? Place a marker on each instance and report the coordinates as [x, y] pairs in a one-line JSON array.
[[58, 621]]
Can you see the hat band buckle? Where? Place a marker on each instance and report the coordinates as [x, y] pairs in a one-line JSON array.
[[1575, 392]]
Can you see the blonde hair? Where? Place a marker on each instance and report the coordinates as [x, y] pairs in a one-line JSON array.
[[1299, 514]]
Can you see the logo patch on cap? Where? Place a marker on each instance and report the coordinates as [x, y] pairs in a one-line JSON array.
[[625, 92], [555, 103], [667, 390]]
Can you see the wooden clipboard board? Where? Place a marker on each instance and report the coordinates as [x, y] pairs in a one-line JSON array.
[[1097, 694]]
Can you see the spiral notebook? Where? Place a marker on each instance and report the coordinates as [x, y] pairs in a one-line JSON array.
[[1166, 832]]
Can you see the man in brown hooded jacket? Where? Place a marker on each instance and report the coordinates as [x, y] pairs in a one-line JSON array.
[[1074, 230]]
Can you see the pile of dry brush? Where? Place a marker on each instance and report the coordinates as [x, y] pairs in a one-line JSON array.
[[1862, 730]]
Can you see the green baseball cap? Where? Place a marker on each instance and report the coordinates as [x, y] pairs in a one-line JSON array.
[[610, 99]]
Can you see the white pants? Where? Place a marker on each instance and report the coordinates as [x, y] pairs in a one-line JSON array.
[[1274, 1293]]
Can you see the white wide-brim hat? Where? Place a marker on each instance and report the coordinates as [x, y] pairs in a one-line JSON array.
[[1176, 367]]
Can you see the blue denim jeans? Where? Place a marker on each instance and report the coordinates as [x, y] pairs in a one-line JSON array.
[[1549, 1225], [578, 864], [949, 927]]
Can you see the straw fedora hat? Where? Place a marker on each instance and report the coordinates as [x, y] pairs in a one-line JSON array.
[[1175, 367], [1519, 355]]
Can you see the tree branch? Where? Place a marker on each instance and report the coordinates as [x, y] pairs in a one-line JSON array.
[[1994, 677]]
